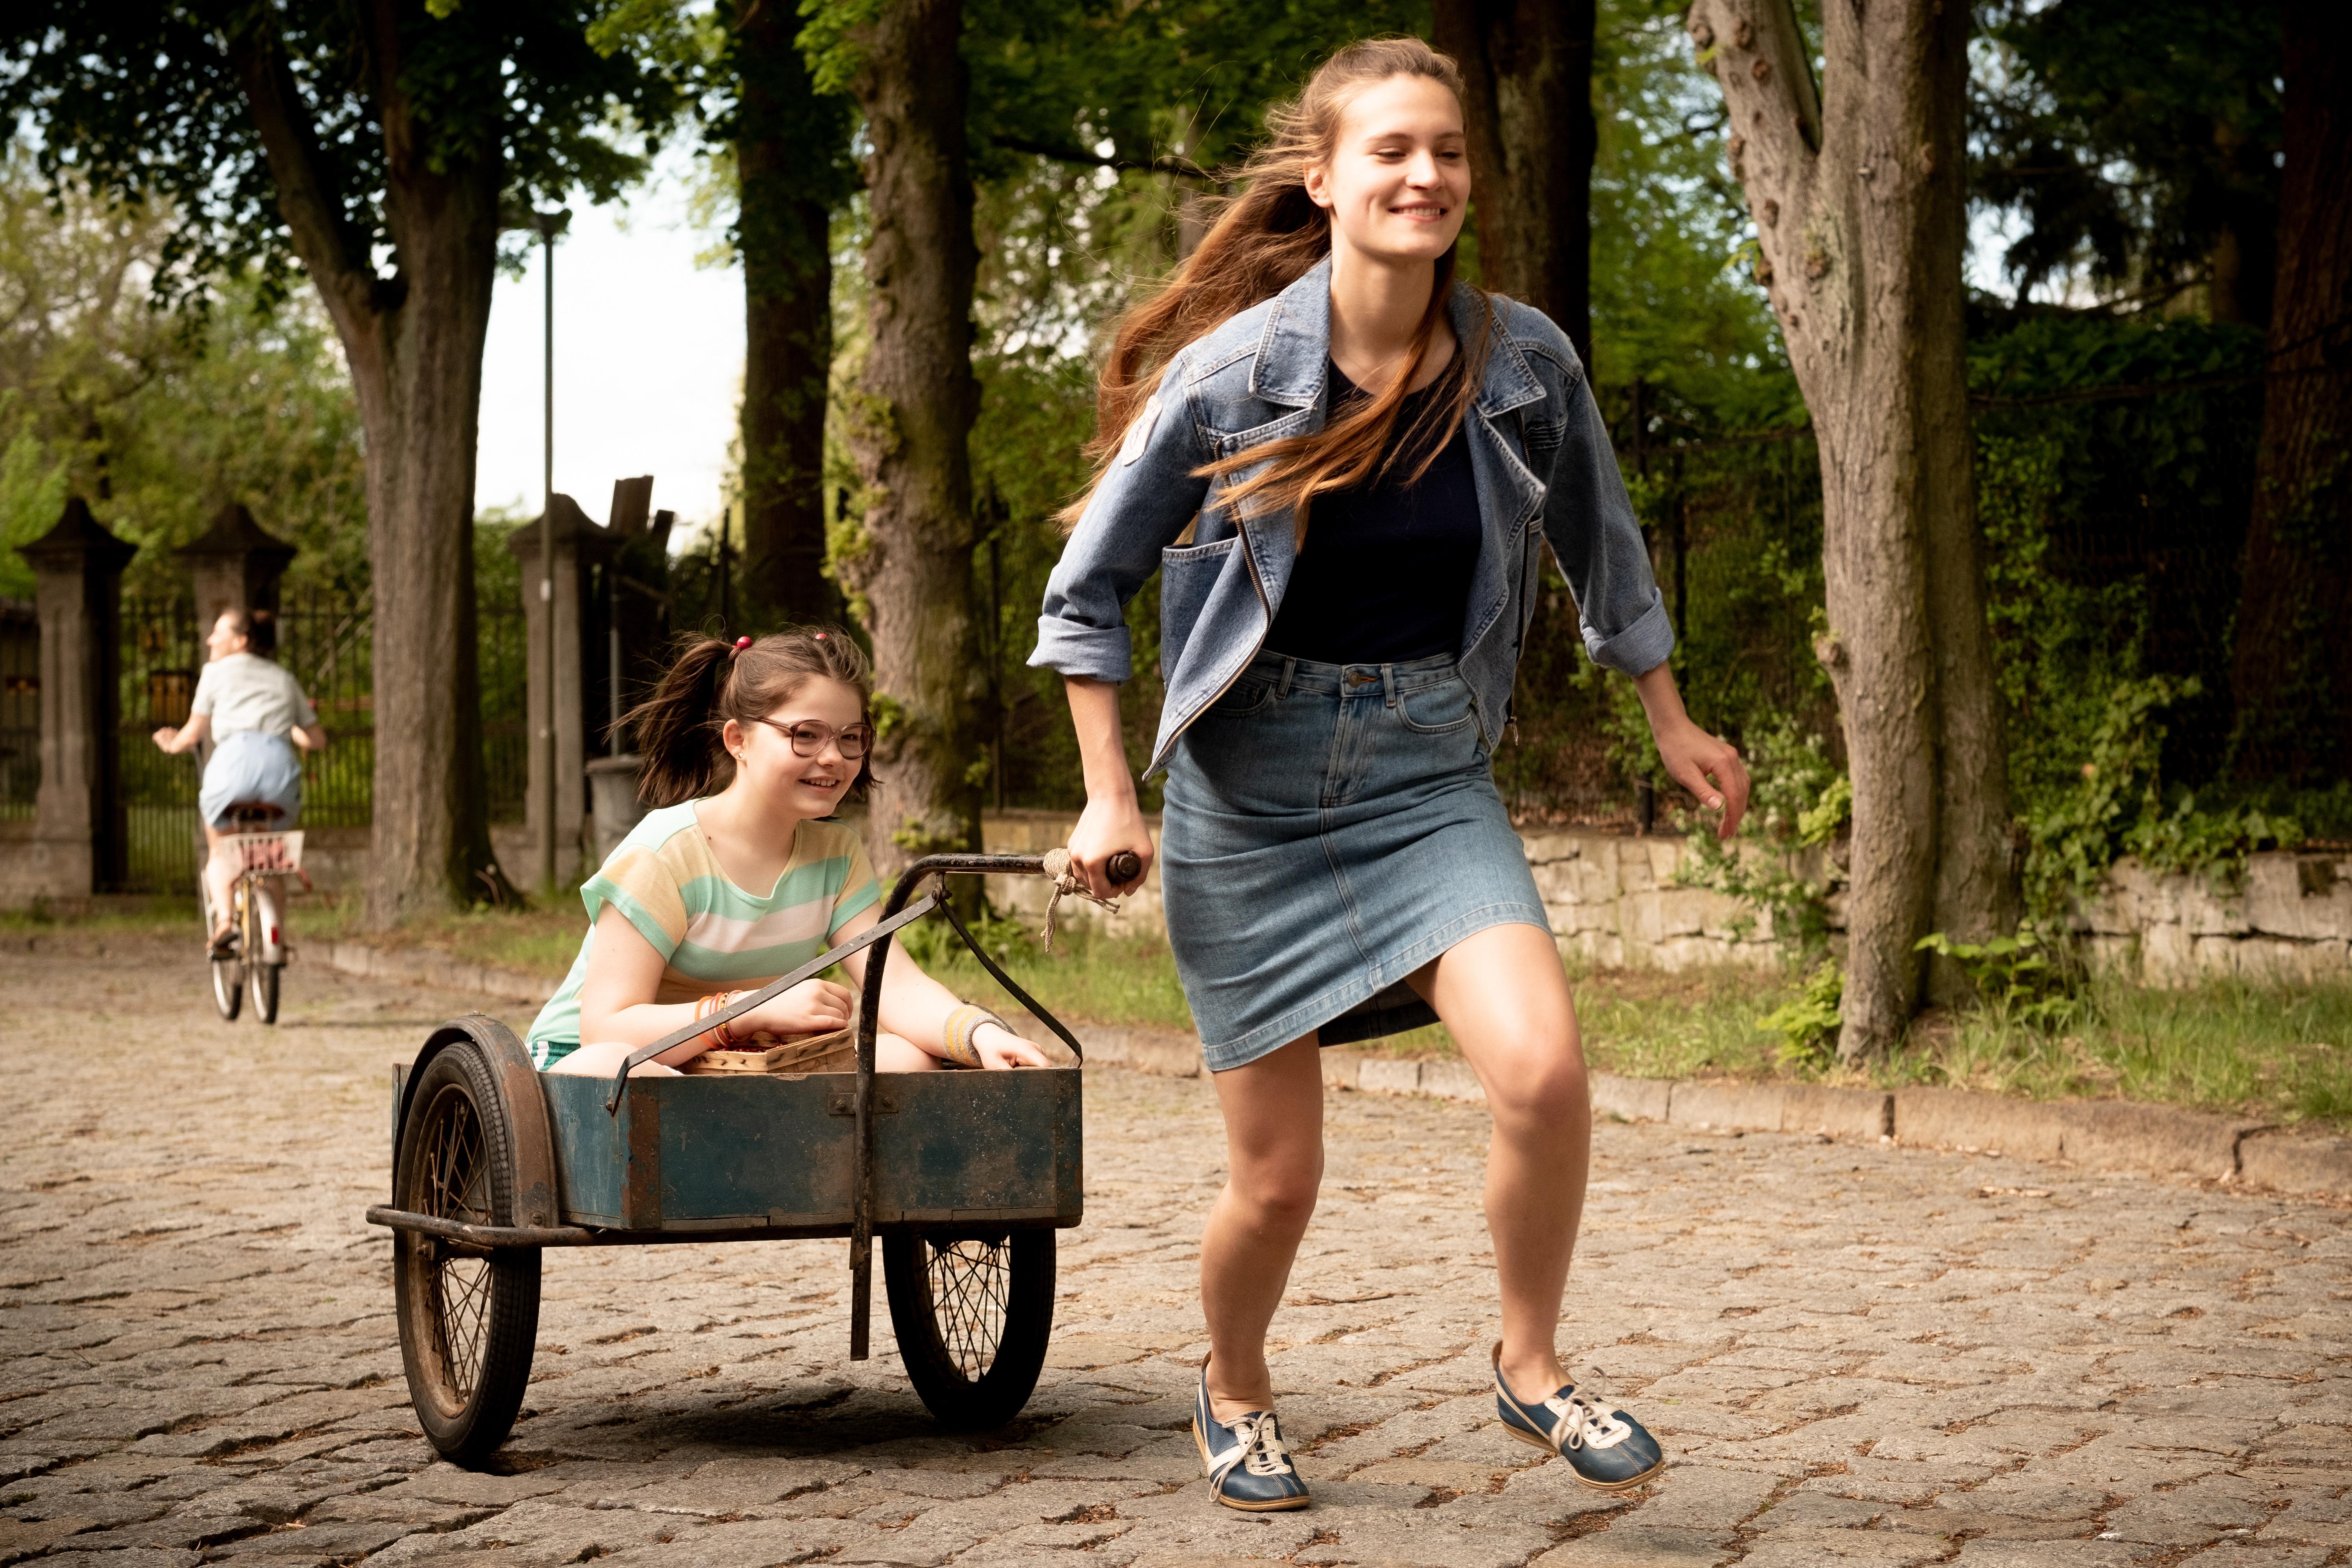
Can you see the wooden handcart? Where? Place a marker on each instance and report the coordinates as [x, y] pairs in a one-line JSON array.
[[964, 1176]]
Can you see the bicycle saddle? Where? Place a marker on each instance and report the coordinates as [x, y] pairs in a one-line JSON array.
[[253, 813]]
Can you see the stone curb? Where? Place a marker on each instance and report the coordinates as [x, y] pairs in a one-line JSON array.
[[2100, 1134], [430, 968]]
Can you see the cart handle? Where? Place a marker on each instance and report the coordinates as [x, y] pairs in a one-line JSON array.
[[1124, 868]]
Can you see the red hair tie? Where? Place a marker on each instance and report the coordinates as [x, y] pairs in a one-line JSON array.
[[741, 644], [820, 636]]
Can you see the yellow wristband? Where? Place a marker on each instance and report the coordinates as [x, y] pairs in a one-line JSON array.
[[956, 1041]]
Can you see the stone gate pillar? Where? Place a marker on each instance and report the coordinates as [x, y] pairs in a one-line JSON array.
[[235, 566], [579, 545], [80, 841]]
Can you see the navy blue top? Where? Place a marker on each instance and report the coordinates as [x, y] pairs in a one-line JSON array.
[[1385, 575]]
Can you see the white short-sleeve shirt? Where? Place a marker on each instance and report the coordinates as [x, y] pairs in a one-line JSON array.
[[246, 692]]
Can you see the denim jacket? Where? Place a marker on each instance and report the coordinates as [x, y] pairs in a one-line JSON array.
[[1538, 452]]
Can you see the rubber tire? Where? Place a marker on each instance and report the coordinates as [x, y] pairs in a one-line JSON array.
[[229, 987], [260, 974], [261, 980], [465, 1430], [963, 1403], [227, 975]]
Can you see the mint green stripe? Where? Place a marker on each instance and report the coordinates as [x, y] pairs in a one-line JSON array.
[[816, 882], [757, 964], [856, 904]]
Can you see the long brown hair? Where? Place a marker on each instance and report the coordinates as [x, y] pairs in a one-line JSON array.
[[1267, 237], [711, 681]]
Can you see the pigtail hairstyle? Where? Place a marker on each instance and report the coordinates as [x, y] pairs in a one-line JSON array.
[[678, 728], [1267, 237]]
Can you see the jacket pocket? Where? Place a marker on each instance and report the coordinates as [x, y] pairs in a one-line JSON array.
[[1187, 573]]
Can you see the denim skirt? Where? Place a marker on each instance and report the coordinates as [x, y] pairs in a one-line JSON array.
[[1329, 830], [250, 765]]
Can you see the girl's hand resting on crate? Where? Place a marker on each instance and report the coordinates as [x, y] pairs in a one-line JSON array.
[[1001, 1047], [812, 1007]]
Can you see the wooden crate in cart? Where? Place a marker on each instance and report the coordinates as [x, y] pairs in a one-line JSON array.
[[964, 1175]]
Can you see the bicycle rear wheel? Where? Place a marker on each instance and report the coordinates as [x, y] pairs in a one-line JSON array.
[[263, 964]]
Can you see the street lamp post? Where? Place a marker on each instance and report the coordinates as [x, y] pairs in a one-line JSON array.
[[549, 225]]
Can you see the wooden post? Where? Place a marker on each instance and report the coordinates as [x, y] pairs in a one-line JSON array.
[[79, 839], [574, 545]]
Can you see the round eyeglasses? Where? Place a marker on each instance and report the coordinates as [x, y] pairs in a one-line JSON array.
[[809, 737]]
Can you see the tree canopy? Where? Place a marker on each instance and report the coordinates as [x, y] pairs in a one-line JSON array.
[[146, 99]]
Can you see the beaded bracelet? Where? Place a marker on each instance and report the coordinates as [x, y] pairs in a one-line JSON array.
[[956, 1037], [719, 1036]]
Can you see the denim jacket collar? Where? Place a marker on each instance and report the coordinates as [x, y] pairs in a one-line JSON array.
[[1295, 353]]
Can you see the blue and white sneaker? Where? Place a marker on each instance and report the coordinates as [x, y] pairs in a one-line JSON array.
[[1607, 1449], [1249, 1466]]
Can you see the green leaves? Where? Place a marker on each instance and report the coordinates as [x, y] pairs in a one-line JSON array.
[[2020, 980], [829, 41], [1809, 1022], [145, 101]]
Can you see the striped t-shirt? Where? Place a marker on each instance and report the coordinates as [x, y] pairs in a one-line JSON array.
[[711, 934]]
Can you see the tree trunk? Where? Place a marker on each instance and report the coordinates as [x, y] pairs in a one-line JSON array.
[[1526, 67], [2292, 675], [414, 347], [784, 237], [1859, 212], [911, 569], [2241, 268]]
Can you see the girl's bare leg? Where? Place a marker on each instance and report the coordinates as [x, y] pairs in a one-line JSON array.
[[602, 1058], [1504, 997], [895, 1053], [1273, 1163], [218, 878]]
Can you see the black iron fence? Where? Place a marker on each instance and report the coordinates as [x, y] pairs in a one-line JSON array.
[[20, 709], [161, 652], [506, 726], [325, 640]]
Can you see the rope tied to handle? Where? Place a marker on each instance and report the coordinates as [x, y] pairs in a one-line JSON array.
[[1068, 883]]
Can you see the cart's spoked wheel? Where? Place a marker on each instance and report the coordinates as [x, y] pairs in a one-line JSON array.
[[456, 1183], [467, 1315], [972, 1313], [971, 1282]]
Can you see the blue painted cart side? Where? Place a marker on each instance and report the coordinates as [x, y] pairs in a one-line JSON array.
[[733, 1152]]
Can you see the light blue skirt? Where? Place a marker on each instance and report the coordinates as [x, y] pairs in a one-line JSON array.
[[1328, 830], [250, 765]]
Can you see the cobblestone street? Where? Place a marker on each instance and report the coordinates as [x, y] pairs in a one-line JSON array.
[[1854, 1354]]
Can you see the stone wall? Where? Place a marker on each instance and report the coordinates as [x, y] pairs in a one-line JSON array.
[[1612, 899], [2289, 918], [1614, 903]]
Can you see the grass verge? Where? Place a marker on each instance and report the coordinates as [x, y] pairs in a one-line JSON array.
[[2281, 1052]]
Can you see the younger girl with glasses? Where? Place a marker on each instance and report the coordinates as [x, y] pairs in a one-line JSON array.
[[740, 874]]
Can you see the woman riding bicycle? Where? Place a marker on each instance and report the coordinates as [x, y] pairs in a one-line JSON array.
[[255, 712]]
